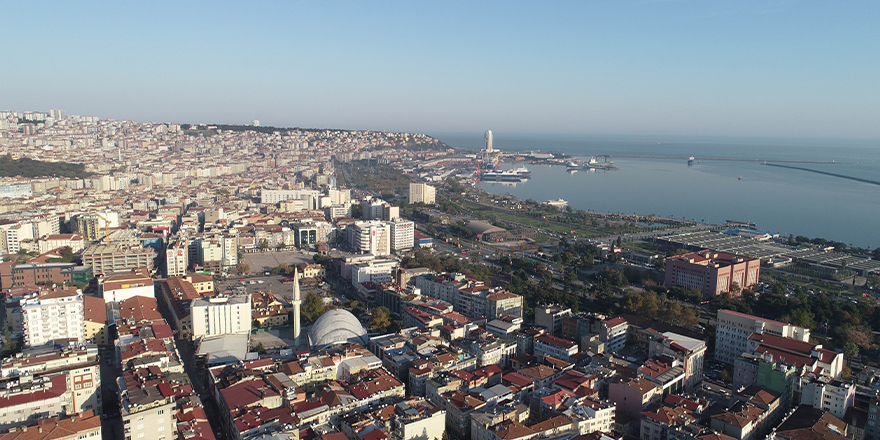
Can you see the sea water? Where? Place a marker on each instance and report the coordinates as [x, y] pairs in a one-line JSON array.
[[779, 200]]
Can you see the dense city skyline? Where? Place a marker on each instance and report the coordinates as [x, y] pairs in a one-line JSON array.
[[781, 69]]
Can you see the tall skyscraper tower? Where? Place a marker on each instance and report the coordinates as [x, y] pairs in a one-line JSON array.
[[489, 141], [296, 302]]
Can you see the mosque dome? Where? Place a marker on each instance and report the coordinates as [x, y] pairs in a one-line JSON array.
[[337, 326]]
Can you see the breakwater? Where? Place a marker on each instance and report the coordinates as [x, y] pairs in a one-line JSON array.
[[842, 176], [729, 159]]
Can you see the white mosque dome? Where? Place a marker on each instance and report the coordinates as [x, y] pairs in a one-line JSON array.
[[337, 326]]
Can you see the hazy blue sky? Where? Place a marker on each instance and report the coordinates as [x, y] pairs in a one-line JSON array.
[[754, 68]]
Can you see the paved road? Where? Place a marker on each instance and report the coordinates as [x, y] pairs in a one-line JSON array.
[[199, 379], [111, 427]]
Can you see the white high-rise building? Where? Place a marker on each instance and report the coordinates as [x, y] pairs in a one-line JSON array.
[[371, 237], [401, 235], [339, 196], [421, 193], [488, 136], [273, 196], [221, 315], [53, 314], [177, 258]]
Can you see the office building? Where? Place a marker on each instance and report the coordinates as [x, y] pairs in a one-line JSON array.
[[118, 288], [421, 193], [401, 235], [115, 259], [221, 315], [370, 237]]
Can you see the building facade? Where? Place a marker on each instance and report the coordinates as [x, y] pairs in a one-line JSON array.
[[712, 273], [53, 314], [734, 330], [221, 315], [421, 193]]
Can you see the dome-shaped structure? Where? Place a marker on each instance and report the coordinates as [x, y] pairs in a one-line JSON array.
[[337, 326]]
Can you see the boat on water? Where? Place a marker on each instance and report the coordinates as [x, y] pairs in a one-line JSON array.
[[559, 203], [691, 160]]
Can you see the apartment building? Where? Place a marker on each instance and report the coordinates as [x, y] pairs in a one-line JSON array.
[[47, 383], [53, 314], [689, 352], [829, 394], [613, 333], [734, 330], [86, 426], [95, 320], [177, 258], [146, 412], [548, 345], [551, 317]]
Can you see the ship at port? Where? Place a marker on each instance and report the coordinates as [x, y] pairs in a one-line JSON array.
[[515, 175], [524, 172]]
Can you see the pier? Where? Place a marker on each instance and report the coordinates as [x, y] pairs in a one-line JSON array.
[[842, 176], [729, 159]]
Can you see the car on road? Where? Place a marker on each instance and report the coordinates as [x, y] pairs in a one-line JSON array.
[[260, 281]]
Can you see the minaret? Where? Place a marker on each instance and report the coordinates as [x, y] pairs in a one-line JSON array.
[[297, 301]]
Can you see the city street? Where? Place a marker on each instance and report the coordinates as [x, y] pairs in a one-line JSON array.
[[111, 423]]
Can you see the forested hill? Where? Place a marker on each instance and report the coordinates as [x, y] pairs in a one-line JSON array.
[[25, 167]]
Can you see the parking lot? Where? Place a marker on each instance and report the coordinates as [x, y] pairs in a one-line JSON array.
[[261, 262]]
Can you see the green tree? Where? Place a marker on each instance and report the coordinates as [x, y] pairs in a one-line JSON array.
[[313, 307], [264, 244], [67, 254], [380, 318], [259, 348], [242, 268], [850, 350], [356, 307]]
